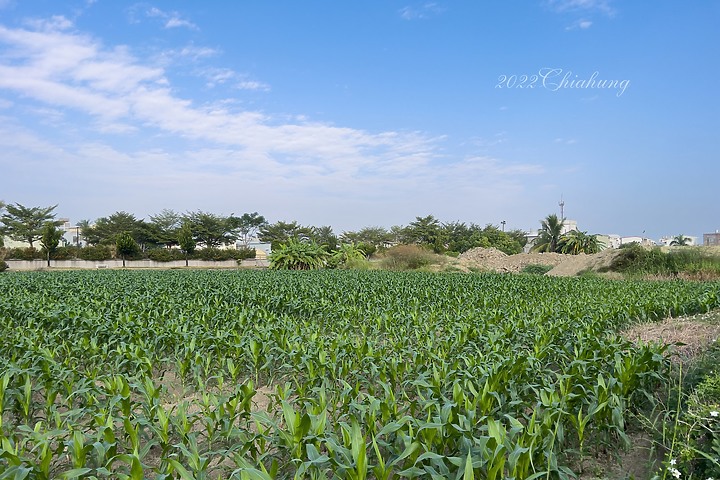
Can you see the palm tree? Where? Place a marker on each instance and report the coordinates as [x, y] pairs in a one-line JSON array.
[[549, 236], [576, 242], [680, 241]]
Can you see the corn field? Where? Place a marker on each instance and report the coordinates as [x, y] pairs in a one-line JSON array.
[[322, 374]]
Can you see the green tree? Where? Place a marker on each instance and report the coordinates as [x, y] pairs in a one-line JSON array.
[[520, 236], [427, 231], [126, 245], [211, 230], [376, 236], [25, 224], [247, 226], [105, 231], [680, 241], [576, 242], [165, 227], [324, 237], [185, 240], [280, 232], [549, 235], [297, 255], [50, 239], [347, 254]]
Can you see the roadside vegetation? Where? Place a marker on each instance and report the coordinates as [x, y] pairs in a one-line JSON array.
[[682, 262]]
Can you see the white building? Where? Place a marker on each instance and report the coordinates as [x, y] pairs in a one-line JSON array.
[[667, 240]]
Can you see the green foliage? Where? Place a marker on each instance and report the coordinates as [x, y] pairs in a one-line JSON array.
[[24, 254], [3, 265], [25, 224], [369, 239], [243, 253], [426, 231], [279, 233], [680, 241], [367, 248], [576, 242], [125, 245], [536, 269], [549, 235], [297, 255], [95, 253], [694, 262], [210, 230], [165, 254], [247, 226], [366, 374], [407, 257], [50, 239], [186, 238], [347, 255], [107, 229], [165, 227], [219, 254]]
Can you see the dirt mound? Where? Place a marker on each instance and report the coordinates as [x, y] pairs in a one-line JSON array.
[[494, 260]]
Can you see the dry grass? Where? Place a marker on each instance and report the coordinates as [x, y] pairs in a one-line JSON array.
[[688, 335]]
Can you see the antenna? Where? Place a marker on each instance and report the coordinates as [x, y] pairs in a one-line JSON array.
[[562, 208]]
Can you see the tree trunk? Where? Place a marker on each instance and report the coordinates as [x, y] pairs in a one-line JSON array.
[[48, 258], [123, 258], [186, 259]]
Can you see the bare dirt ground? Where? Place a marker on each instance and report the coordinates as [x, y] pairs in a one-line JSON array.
[[494, 260]]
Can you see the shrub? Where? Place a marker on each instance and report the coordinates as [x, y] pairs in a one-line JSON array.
[[367, 248], [406, 257], [25, 254], [245, 252], [65, 253], [3, 266], [95, 253], [164, 255], [299, 256], [536, 269], [215, 254], [635, 259]]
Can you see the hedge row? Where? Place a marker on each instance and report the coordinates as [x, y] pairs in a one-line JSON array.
[[102, 252]]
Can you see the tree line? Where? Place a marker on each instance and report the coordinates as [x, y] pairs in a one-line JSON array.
[[194, 230], [210, 230]]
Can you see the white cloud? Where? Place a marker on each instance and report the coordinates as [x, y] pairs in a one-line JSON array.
[[118, 101], [602, 6], [252, 85], [580, 24], [171, 19], [425, 10]]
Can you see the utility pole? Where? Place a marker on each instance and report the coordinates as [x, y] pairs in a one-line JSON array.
[[503, 224], [562, 208]]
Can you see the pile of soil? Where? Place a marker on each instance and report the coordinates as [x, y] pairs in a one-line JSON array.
[[494, 260]]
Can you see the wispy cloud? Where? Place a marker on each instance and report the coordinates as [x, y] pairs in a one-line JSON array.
[[425, 10], [602, 6], [112, 99], [580, 24], [171, 19], [226, 76]]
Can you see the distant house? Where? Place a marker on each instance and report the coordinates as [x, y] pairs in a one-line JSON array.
[[645, 242], [711, 239]]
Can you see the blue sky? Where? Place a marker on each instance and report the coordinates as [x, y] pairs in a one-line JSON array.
[[354, 114]]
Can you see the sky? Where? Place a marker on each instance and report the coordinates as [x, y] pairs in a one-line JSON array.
[[372, 113]]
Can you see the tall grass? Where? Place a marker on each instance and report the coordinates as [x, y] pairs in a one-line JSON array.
[[683, 262]]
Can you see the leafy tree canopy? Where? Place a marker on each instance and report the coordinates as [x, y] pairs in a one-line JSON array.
[[549, 235], [25, 224]]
